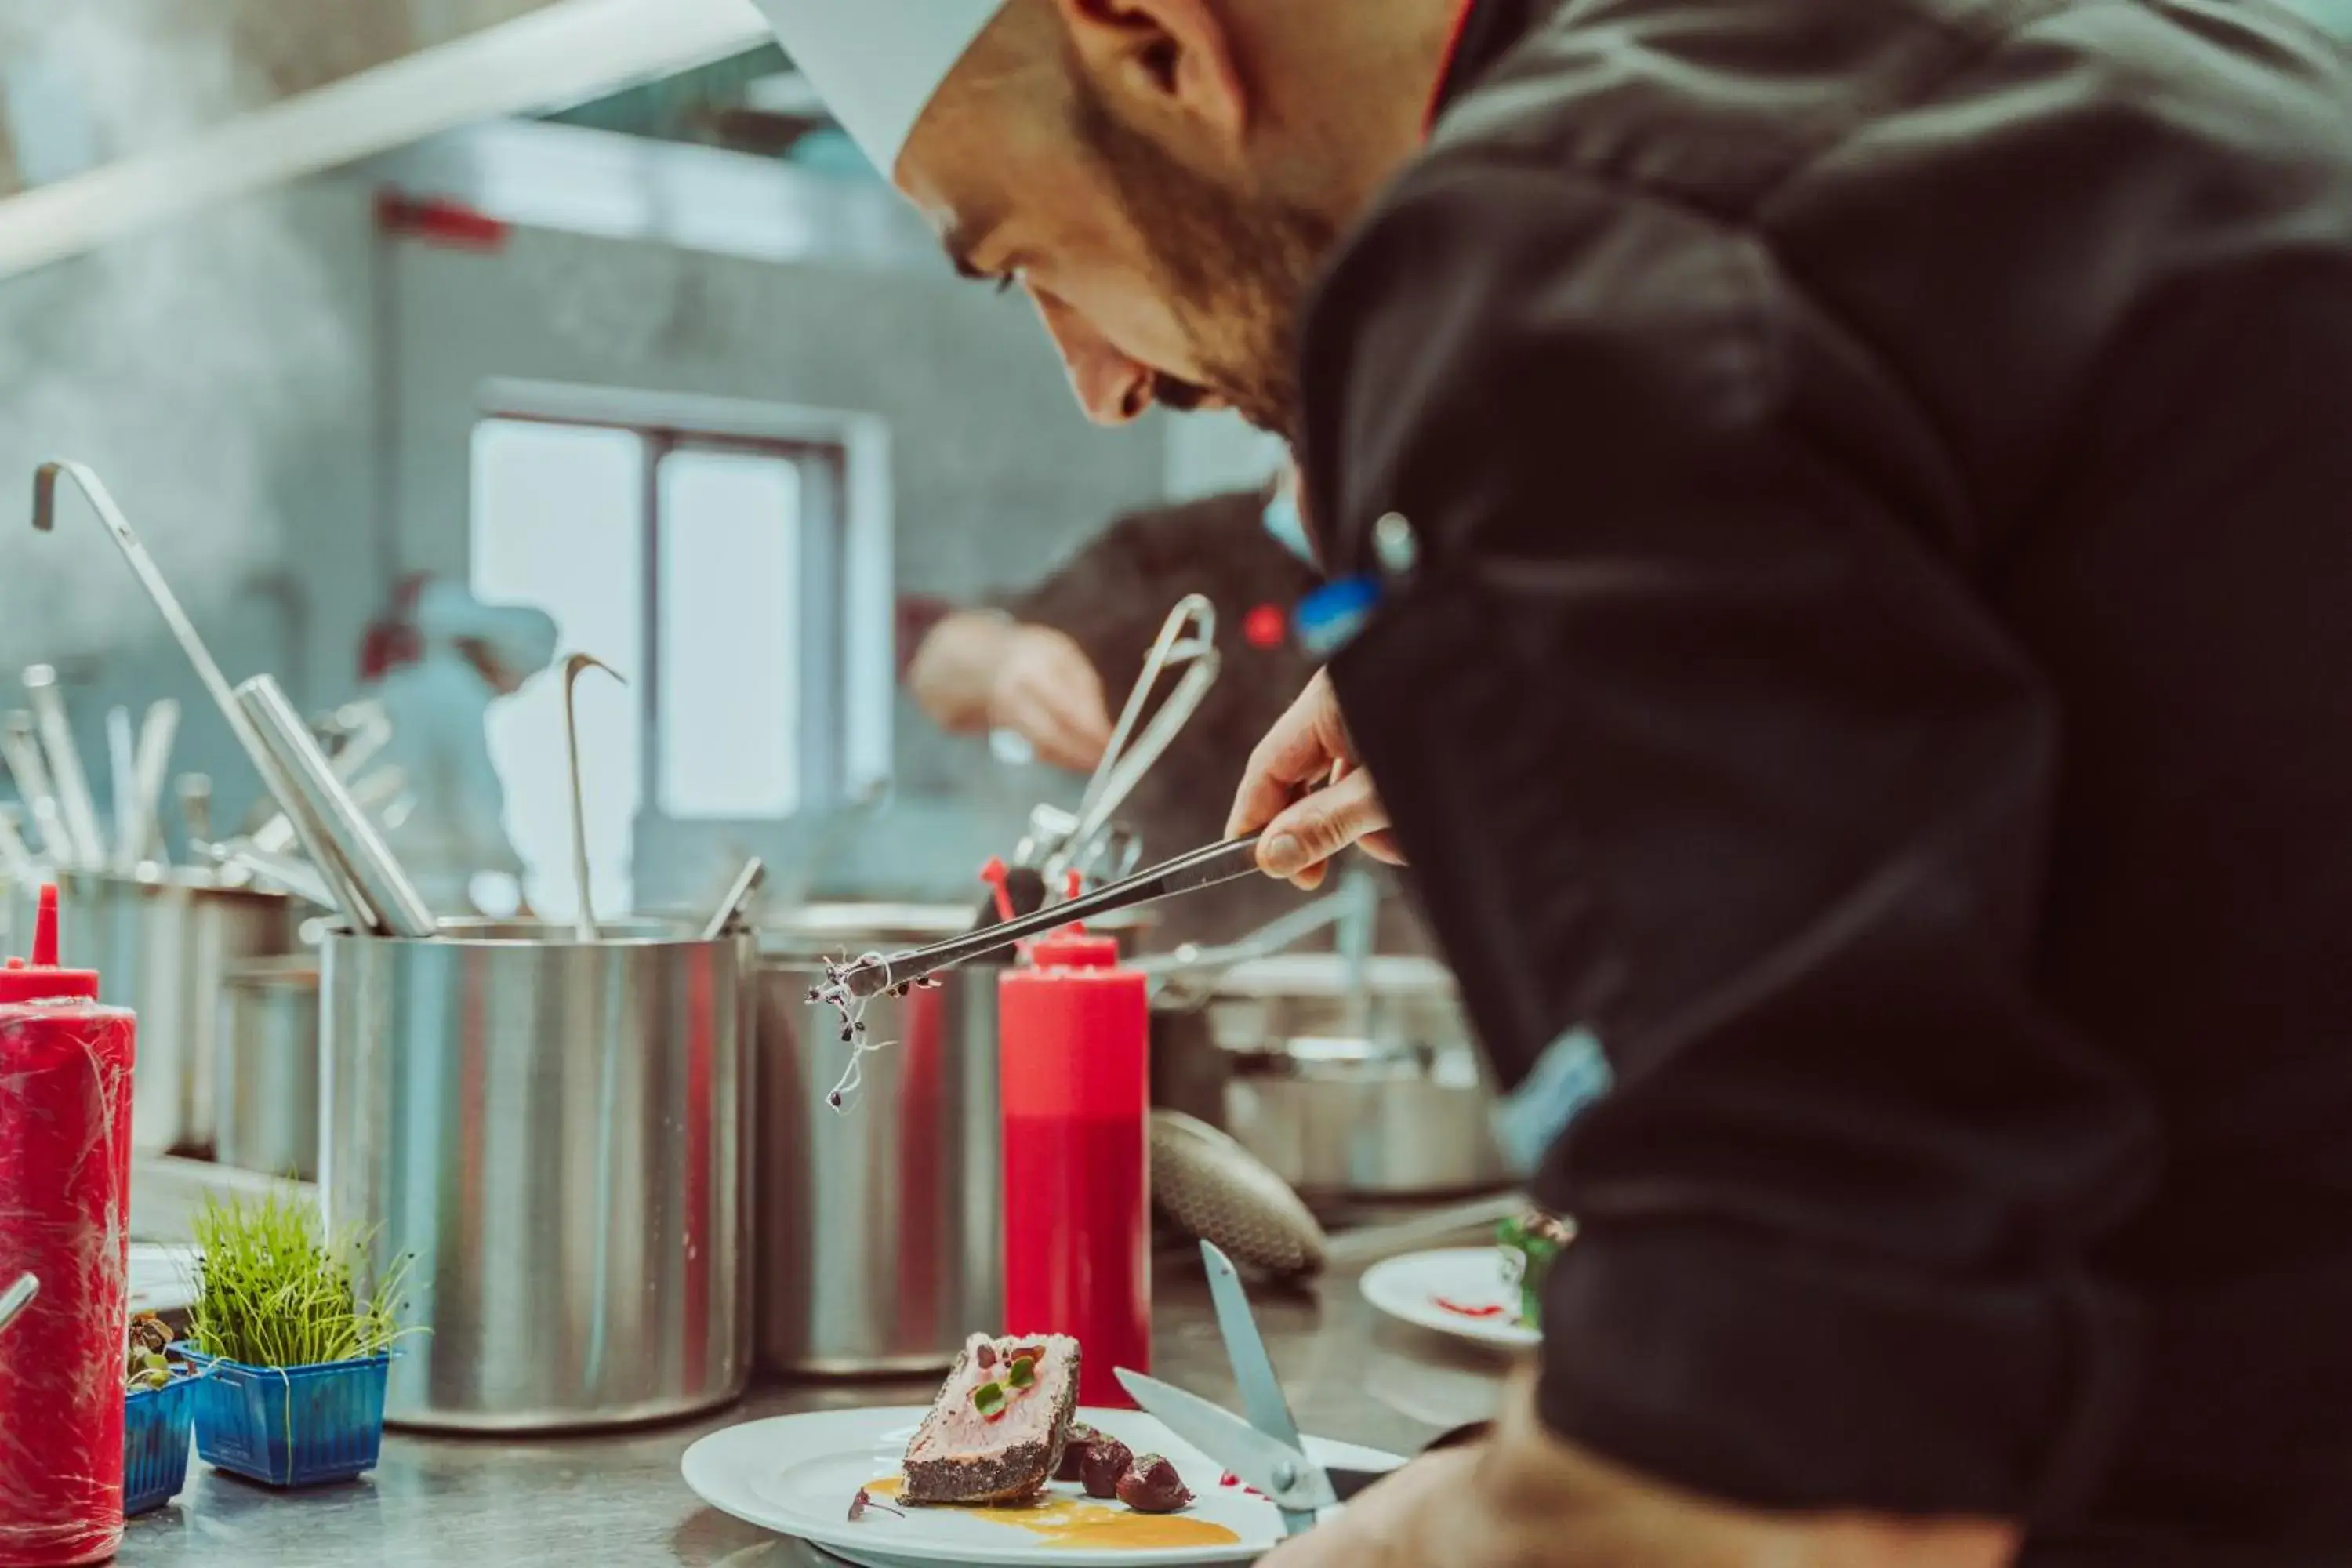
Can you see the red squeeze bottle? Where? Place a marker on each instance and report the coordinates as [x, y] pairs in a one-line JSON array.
[[1075, 1078], [65, 1210]]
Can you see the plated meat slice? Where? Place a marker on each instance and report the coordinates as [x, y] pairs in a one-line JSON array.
[[996, 1433]]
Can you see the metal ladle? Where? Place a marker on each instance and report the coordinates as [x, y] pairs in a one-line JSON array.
[[150, 767], [1186, 978], [66, 775], [375, 793], [16, 855], [348, 897], [349, 837], [1058, 841], [1187, 641], [20, 739], [239, 855], [584, 926], [739, 896]]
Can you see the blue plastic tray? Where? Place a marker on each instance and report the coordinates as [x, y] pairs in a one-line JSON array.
[[155, 1427], [292, 1426]]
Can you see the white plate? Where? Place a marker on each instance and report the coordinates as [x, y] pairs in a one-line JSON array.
[[796, 1475], [1417, 1287]]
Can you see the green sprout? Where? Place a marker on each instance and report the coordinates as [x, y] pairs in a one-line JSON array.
[[273, 1290]]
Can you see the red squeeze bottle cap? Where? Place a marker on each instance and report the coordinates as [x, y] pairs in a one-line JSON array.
[[1073, 947], [42, 980], [1070, 946], [998, 877]]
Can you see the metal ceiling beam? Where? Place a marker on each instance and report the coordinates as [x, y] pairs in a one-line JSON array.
[[562, 53], [572, 180]]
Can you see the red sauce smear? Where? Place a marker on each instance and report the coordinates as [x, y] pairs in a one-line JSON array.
[[1459, 1310]]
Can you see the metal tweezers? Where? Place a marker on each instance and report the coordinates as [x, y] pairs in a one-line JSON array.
[[1207, 867]]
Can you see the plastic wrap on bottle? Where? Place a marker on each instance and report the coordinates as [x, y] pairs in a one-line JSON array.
[[65, 1204]]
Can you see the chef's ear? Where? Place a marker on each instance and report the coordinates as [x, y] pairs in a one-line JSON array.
[[1162, 55]]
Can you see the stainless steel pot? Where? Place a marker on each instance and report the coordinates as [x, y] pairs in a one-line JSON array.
[[878, 1223], [1356, 1091], [269, 1096], [163, 943], [554, 1133]]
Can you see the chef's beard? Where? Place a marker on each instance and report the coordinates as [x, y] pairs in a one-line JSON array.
[[1234, 265]]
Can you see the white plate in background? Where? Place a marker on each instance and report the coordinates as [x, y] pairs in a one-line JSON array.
[[1447, 1291]]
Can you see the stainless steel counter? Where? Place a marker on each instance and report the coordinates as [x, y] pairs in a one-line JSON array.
[[616, 1501]]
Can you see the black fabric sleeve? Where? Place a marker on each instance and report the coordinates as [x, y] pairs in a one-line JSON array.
[[1696, 735]]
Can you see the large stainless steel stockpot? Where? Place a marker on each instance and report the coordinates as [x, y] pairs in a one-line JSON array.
[[555, 1133], [879, 1222]]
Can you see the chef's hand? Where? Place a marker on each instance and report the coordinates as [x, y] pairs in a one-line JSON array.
[[1306, 788], [1046, 690], [1525, 1499]]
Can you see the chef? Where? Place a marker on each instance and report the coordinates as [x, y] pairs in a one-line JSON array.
[[1836, 513], [1048, 664], [462, 657]]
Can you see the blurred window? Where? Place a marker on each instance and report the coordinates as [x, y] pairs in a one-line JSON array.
[[719, 570], [730, 663], [559, 522]]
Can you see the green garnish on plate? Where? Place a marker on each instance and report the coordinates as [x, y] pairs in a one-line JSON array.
[[1530, 1242]]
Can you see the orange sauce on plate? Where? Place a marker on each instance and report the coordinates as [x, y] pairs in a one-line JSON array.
[[1062, 1520]]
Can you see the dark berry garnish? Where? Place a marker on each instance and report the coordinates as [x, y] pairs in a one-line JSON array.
[[1107, 1460], [1152, 1486], [1083, 1438]]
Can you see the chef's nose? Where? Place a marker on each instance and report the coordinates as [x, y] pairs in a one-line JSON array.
[[1112, 388]]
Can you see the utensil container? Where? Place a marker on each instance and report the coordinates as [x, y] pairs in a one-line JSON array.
[[880, 1222], [269, 1089], [291, 1426], [157, 1424], [164, 942], [1355, 1094], [554, 1133]]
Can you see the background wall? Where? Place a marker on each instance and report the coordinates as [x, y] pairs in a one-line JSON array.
[[310, 442], [218, 378], [995, 473]]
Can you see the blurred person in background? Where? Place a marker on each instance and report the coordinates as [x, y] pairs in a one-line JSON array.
[[436, 661], [1054, 664]]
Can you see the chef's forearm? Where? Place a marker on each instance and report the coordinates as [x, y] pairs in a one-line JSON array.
[[1534, 1500], [952, 671]]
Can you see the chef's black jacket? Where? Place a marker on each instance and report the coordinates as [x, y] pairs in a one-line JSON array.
[[1869, 632]]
